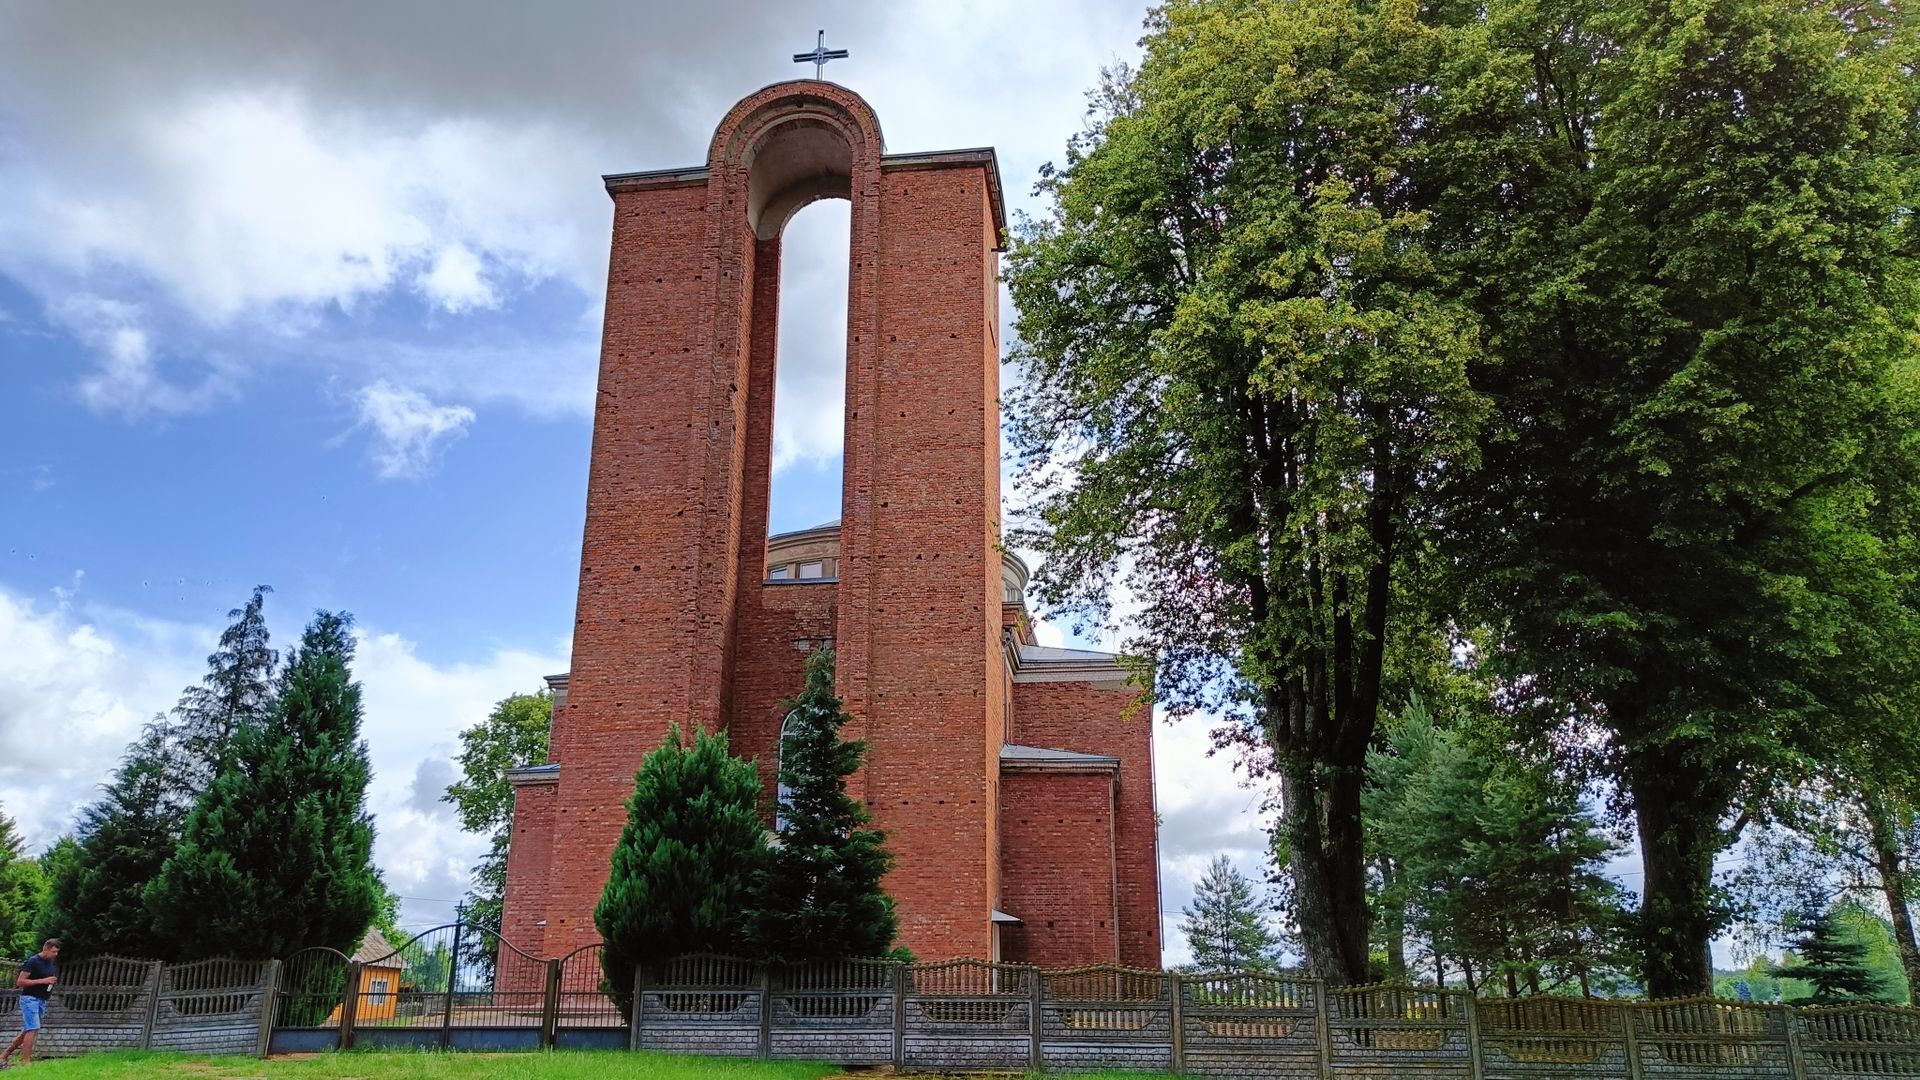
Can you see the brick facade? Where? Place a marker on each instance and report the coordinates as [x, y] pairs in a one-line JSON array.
[[677, 622]]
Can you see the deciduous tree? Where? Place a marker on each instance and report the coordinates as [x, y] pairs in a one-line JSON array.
[[512, 735], [1242, 373], [1687, 231]]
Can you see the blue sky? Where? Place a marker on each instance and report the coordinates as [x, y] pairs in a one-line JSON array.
[[310, 296]]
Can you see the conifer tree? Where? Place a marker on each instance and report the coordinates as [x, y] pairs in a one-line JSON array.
[[237, 690], [681, 873], [95, 905], [1835, 965], [1223, 924], [819, 897], [276, 855]]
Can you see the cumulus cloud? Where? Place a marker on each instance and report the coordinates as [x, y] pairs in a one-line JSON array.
[[74, 688], [408, 431], [251, 180], [76, 682]]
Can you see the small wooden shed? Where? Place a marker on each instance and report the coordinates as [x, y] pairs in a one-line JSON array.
[[380, 967]]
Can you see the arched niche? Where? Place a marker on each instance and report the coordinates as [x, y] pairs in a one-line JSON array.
[[796, 142]]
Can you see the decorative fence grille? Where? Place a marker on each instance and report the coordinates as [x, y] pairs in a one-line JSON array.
[[459, 988], [584, 1016]]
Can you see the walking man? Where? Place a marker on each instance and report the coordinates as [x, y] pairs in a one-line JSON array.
[[36, 985]]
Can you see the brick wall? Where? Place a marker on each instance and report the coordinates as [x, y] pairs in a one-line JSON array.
[[1105, 718], [1057, 832], [529, 865]]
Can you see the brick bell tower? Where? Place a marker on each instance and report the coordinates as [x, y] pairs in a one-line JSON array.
[[678, 618]]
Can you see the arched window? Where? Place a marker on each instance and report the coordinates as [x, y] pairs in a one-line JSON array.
[[788, 728]]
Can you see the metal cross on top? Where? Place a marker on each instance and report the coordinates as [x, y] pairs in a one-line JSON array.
[[820, 55]]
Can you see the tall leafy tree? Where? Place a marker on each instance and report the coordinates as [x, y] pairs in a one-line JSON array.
[[1243, 373], [23, 891], [818, 894], [276, 855], [95, 905], [1686, 228], [1223, 924], [512, 735], [682, 872]]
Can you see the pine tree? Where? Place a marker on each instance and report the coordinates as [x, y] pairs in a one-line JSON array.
[[94, 904], [819, 897], [1835, 965], [276, 856], [681, 873], [237, 690], [1223, 924]]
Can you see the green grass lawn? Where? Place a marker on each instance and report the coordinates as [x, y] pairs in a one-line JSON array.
[[402, 1065]]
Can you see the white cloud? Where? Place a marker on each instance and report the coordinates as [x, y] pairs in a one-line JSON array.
[[408, 430], [1206, 809], [259, 180], [454, 281], [74, 689], [415, 711], [247, 199], [128, 379]]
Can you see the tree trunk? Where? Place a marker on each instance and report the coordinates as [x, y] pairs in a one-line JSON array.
[[1890, 861], [1393, 924], [1677, 810], [1329, 875]]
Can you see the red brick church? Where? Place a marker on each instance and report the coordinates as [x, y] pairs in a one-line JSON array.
[[1014, 781]]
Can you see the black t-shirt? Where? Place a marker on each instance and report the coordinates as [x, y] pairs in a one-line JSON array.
[[38, 967]]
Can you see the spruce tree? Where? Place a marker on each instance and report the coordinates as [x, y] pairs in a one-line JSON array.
[[237, 690], [95, 905], [1835, 965], [680, 875], [819, 897], [276, 855], [1223, 924]]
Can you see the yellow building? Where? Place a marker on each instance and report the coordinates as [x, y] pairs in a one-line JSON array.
[[380, 967]]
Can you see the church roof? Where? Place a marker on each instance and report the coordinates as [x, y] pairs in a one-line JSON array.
[[1044, 663], [1043, 758], [825, 526]]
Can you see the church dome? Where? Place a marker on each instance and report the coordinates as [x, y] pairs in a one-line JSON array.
[[813, 555]]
